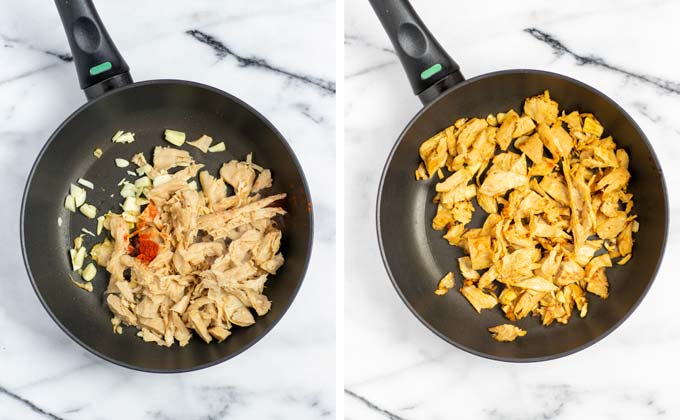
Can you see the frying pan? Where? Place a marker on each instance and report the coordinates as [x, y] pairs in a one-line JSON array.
[[146, 108], [416, 256]]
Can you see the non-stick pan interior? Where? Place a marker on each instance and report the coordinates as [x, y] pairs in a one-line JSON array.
[[416, 256], [147, 109]]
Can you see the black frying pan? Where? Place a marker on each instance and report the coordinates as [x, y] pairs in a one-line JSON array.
[[146, 108], [416, 256]]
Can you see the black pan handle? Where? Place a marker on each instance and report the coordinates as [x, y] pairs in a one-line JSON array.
[[99, 65], [429, 68]]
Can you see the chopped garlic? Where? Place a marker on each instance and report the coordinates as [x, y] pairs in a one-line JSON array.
[[143, 182], [78, 194], [89, 272], [219, 147], [131, 173], [117, 135], [123, 137], [59, 221], [202, 143], [85, 286], [77, 258], [78, 242], [97, 153], [88, 232], [130, 205], [89, 211], [175, 137], [161, 179], [128, 190], [100, 224], [143, 170], [122, 181], [70, 203], [142, 201], [86, 183], [122, 163]]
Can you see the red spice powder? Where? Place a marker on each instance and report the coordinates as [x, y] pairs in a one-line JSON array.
[[148, 249]]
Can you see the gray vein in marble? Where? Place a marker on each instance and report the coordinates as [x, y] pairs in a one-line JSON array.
[[222, 51], [560, 49], [369, 69], [33, 407], [11, 42], [372, 406], [306, 110], [553, 398], [356, 40], [27, 73]]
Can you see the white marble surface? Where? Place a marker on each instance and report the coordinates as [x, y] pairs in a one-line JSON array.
[[395, 367], [290, 374]]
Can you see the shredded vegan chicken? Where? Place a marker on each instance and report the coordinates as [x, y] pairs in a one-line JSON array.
[[192, 260], [558, 209]]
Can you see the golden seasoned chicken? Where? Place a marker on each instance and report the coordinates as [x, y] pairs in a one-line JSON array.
[[559, 213], [506, 332]]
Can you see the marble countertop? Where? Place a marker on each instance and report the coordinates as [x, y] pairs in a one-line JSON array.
[[247, 49], [397, 369]]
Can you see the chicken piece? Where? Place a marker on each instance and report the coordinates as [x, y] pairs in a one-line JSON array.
[[556, 140], [240, 249], [197, 323], [155, 325], [611, 227], [478, 298], [525, 126], [240, 175], [598, 284], [541, 109], [214, 189], [263, 181], [259, 302], [462, 176], [506, 332], [614, 180], [202, 143], [468, 133], [538, 284], [592, 126], [165, 158], [445, 284], [237, 313], [526, 303], [499, 182], [433, 152], [147, 308], [625, 240], [121, 241], [556, 187], [466, 270], [455, 233], [267, 247], [480, 252], [197, 253], [220, 333], [116, 306], [507, 127], [532, 147], [273, 265], [573, 120], [569, 272], [210, 222], [488, 277]]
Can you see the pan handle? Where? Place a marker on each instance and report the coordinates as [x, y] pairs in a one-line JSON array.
[[429, 68], [99, 65]]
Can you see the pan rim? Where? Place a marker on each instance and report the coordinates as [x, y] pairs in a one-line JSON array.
[[588, 343], [251, 110]]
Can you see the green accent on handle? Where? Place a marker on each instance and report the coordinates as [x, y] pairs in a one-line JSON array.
[[429, 72], [100, 68]]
